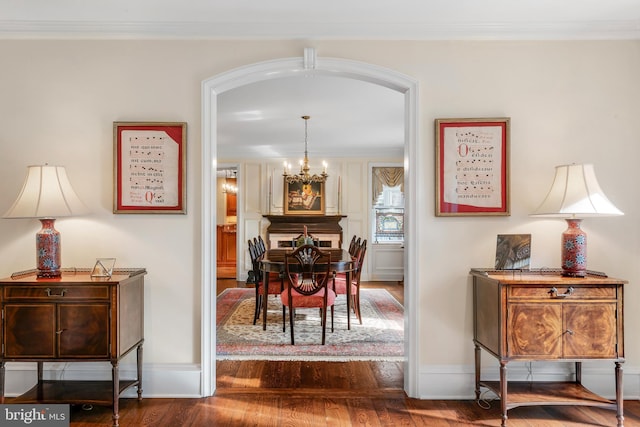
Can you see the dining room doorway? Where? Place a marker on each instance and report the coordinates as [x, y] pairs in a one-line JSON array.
[[294, 66]]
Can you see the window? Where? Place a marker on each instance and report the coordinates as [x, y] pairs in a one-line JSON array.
[[388, 204]]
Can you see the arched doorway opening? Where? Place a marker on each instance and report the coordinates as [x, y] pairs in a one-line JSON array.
[[309, 65]]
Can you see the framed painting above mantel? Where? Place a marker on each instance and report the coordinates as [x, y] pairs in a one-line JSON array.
[[304, 199]]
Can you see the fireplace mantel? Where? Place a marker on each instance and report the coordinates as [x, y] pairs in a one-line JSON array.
[[284, 228]]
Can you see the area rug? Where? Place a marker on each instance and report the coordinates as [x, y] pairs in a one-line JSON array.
[[380, 337]]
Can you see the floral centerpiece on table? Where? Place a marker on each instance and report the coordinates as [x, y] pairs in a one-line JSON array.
[[305, 239]]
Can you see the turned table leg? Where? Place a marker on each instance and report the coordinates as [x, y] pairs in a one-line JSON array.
[[115, 376], [619, 401], [139, 367], [2, 370], [503, 392], [477, 356]]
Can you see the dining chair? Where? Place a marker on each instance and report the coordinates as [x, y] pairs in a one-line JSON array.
[[352, 246], [307, 270], [340, 279], [276, 281], [259, 242]]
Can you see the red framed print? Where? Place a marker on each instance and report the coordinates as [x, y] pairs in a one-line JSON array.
[[150, 167], [472, 167]]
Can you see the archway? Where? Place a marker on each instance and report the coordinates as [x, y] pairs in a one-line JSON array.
[[309, 65]]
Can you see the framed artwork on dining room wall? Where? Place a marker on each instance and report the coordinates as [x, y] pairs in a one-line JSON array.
[[472, 167], [149, 167], [304, 199]]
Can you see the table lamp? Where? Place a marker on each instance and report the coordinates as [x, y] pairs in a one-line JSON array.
[[46, 194], [575, 194]]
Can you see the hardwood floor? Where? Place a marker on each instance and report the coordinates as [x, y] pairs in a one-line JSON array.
[[296, 394], [280, 393]]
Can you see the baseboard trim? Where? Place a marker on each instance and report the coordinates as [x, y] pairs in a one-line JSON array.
[[456, 382], [442, 382], [158, 380]]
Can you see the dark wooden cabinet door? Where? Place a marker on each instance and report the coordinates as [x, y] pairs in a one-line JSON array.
[[232, 203], [590, 330], [230, 246], [83, 330], [29, 330], [535, 330]]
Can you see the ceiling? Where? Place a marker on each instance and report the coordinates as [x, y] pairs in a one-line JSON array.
[[263, 119], [347, 116]]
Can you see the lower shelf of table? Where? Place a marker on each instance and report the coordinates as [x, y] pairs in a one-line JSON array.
[[537, 393], [93, 392]]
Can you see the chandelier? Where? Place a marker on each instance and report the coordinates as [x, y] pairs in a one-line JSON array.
[[304, 177], [230, 187]]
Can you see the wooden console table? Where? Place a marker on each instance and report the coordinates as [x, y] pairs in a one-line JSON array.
[[542, 316], [74, 318]]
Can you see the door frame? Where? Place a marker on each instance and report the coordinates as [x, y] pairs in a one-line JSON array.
[[308, 64]]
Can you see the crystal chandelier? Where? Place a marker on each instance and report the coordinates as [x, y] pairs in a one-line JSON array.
[[230, 187], [304, 177]]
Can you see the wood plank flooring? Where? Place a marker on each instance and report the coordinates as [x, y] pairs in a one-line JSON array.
[[316, 394]]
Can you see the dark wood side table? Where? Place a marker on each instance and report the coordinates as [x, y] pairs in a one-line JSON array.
[[74, 318], [542, 316]]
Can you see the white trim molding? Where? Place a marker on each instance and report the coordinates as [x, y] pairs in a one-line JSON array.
[[289, 67]]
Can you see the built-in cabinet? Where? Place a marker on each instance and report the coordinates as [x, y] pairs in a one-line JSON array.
[[226, 249]]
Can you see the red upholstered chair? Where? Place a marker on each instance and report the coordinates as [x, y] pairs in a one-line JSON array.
[[307, 270], [340, 279], [276, 281]]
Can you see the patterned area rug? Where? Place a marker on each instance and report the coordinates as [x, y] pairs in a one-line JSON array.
[[380, 337]]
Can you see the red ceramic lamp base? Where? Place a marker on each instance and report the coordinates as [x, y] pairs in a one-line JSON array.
[[574, 250], [48, 250]]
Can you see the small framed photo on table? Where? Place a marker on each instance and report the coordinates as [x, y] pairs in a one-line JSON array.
[[149, 167], [472, 167]]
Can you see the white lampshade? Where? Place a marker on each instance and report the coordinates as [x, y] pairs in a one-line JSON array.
[[575, 193], [46, 193]]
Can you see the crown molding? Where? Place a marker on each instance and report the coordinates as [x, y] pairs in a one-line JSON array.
[[587, 30]]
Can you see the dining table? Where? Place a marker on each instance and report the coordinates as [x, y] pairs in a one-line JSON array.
[[273, 262]]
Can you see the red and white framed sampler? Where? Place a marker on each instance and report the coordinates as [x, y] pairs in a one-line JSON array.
[[472, 167], [149, 167]]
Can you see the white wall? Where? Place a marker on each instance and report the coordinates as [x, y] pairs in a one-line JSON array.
[[568, 102]]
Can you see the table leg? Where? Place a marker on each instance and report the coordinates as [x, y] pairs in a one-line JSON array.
[[115, 379], [40, 370], [503, 392], [348, 278], [139, 367], [477, 360], [619, 401], [2, 376], [265, 295]]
